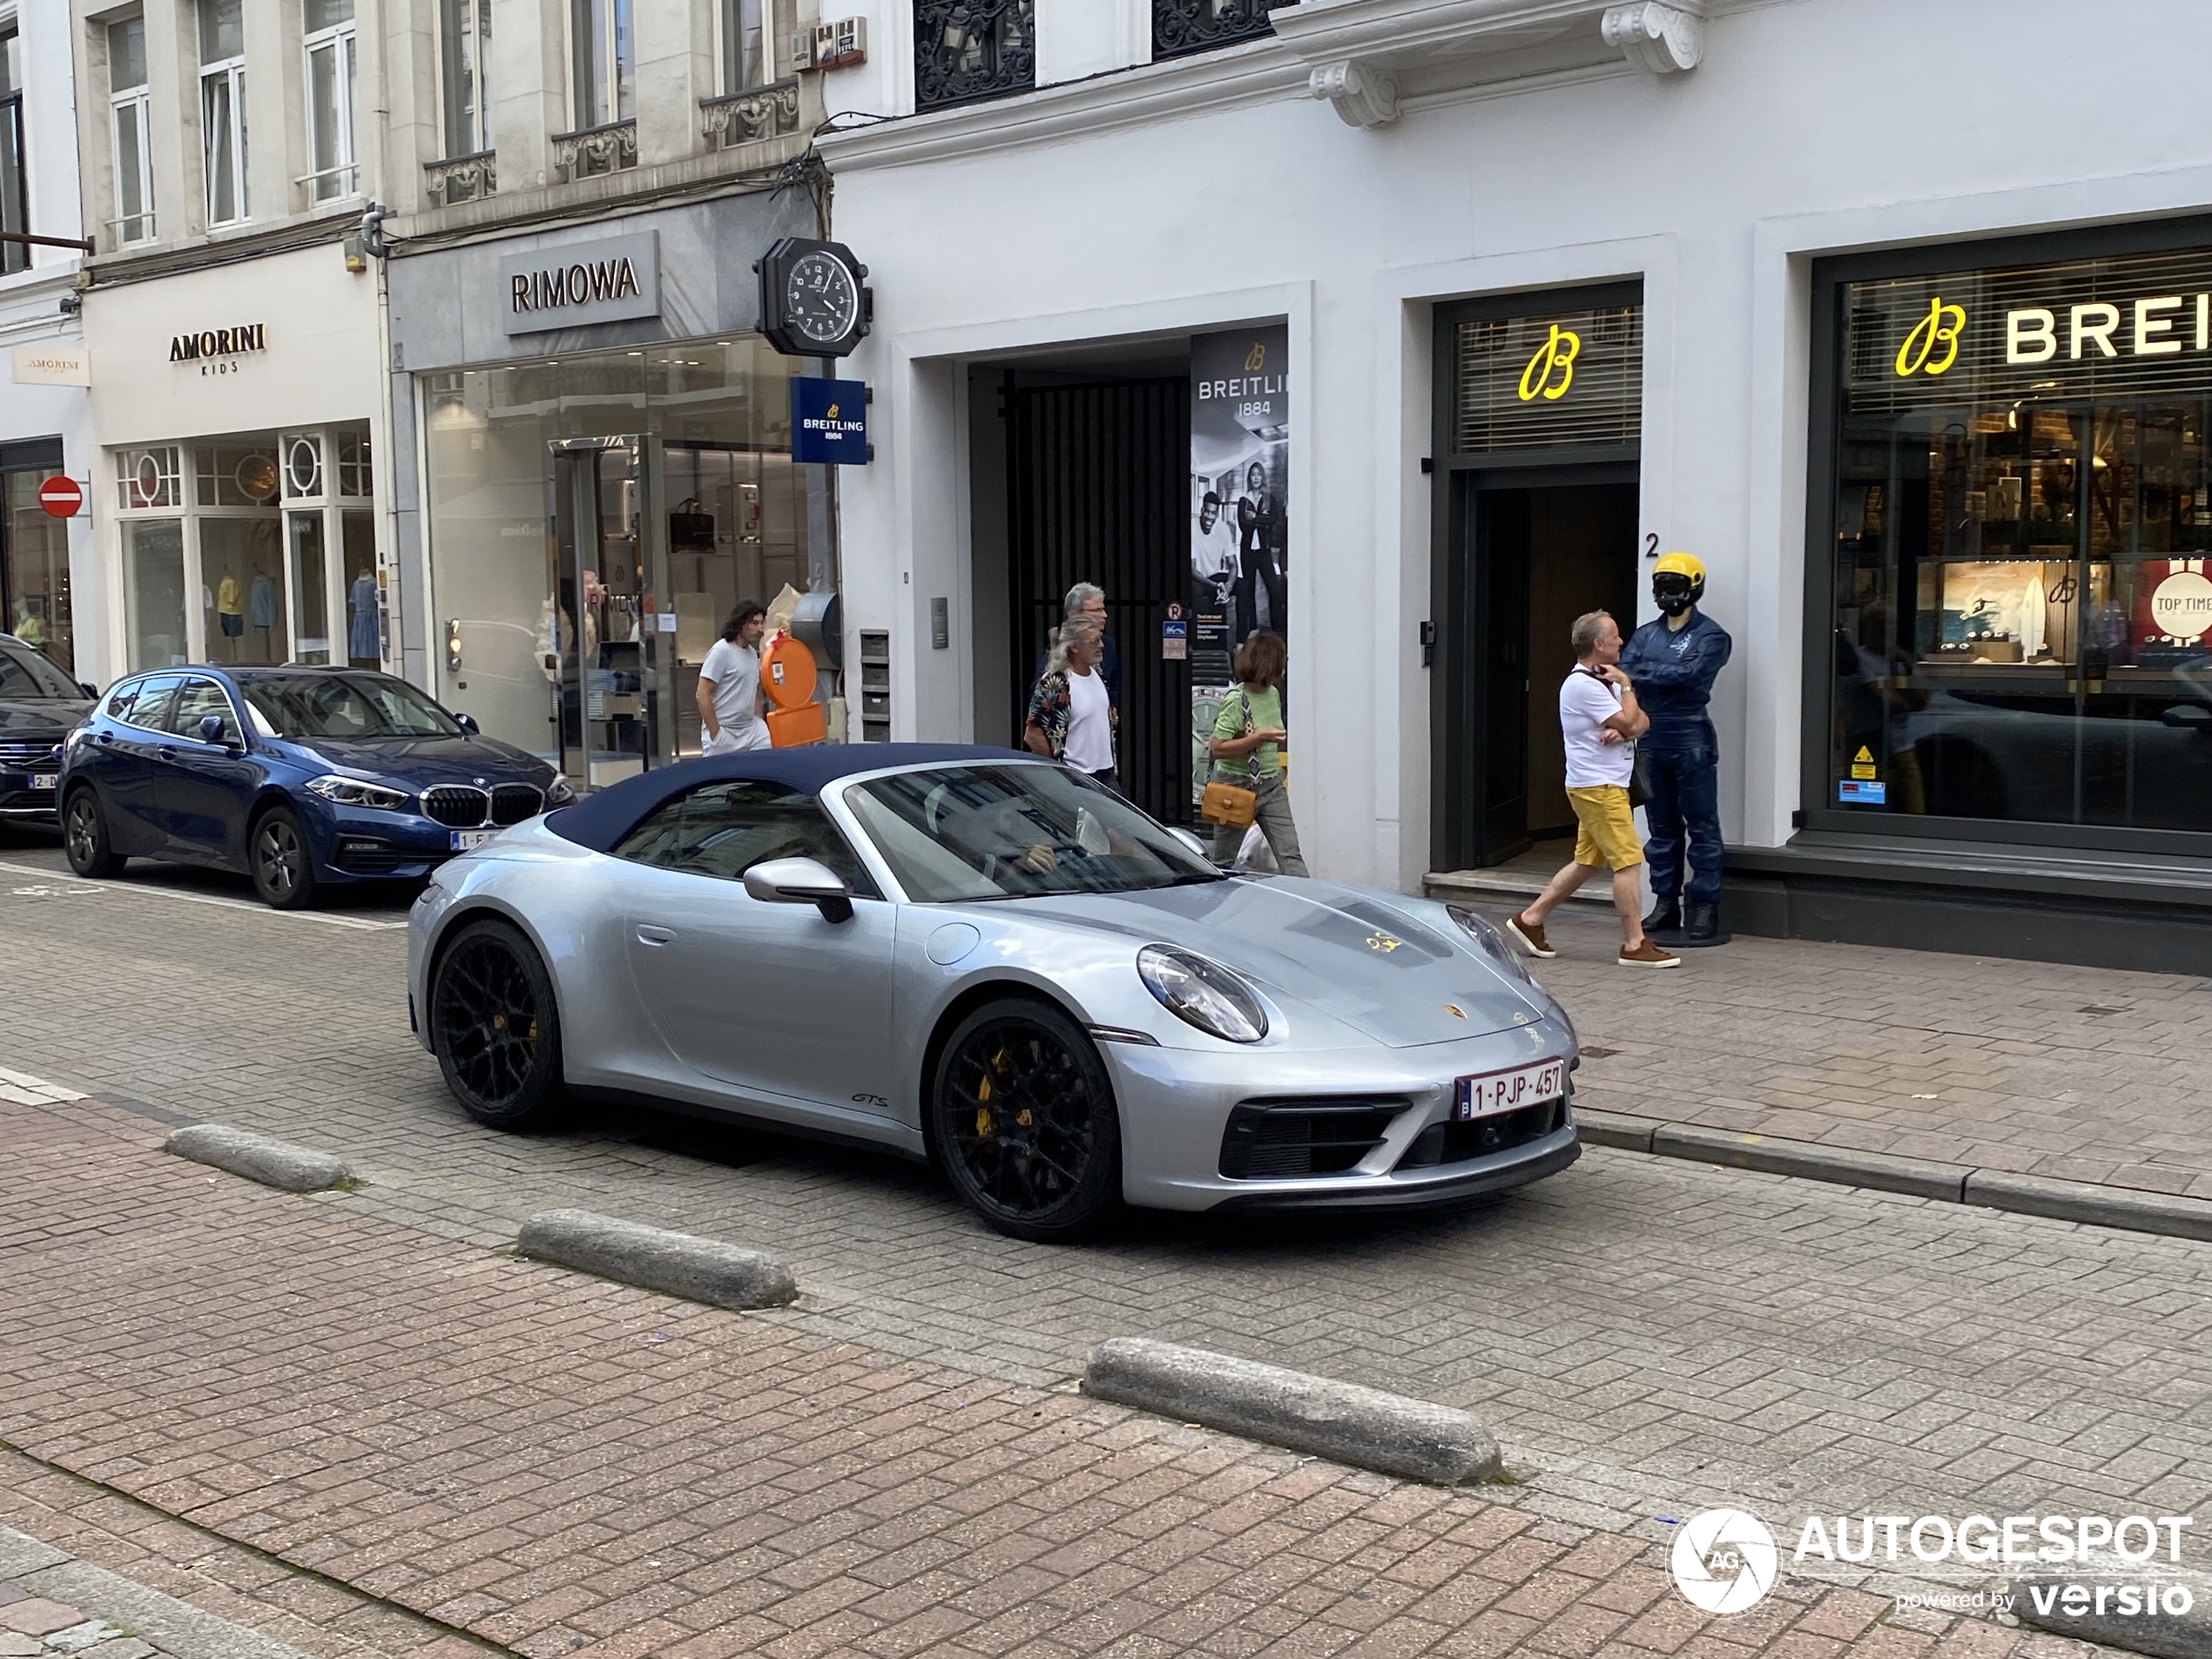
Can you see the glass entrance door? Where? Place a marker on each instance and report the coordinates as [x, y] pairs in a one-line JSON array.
[[608, 707]]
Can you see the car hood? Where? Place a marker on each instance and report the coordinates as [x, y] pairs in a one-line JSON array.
[[421, 762], [30, 718], [1348, 953]]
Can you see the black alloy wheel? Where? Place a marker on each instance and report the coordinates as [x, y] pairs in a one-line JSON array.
[[85, 834], [496, 1029], [283, 868], [1025, 1124]]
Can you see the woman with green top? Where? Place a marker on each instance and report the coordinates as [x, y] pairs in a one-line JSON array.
[[1248, 736]]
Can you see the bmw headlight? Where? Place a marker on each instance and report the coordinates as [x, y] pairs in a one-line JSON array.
[[559, 793], [1499, 949], [352, 791], [1202, 994]]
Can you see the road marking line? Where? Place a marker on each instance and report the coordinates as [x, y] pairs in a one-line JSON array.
[[358, 922]]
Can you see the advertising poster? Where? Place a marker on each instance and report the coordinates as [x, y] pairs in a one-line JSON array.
[[1240, 461]]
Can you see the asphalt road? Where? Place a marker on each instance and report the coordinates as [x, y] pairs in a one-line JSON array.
[[1646, 1336]]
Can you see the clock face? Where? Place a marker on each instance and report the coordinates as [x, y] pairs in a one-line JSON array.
[[821, 301]]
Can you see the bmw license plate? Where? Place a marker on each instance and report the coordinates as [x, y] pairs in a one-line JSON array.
[[1506, 1091], [463, 839], [44, 780]]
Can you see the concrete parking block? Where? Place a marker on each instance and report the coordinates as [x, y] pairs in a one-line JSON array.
[[698, 1270], [1365, 1427], [272, 1163]]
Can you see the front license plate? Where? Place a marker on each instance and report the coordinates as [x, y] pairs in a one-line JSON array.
[[44, 780], [463, 839], [1506, 1091]]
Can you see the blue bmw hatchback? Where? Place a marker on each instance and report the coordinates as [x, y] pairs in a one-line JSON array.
[[299, 776]]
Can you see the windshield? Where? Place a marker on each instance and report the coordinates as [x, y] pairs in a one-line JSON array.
[[1012, 832], [345, 706], [25, 672]]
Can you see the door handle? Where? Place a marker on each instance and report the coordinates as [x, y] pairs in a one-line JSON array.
[[167, 753], [650, 934]]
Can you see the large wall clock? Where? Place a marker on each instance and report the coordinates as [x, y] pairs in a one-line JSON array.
[[811, 300]]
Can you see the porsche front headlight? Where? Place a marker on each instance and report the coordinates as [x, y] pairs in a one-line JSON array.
[[353, 792], [1485, 933], [1202, 994]]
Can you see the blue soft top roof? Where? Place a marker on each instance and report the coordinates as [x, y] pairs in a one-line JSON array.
[[600, 820]]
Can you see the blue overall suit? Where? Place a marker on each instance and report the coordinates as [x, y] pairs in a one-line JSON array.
[[1674, 671]]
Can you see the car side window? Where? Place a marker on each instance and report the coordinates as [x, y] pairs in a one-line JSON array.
[[193, 702], [725, 829], [118, 705], [150, 709]]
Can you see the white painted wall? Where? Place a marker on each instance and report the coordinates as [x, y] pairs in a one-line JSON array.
[[1812, 126]]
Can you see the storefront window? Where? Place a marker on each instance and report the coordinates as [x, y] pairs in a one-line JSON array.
[[34, 570], [2022, 523], [577, 585], [305, 563], [156, 552], [241, 582]]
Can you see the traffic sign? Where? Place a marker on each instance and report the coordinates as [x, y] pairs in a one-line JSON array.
[[60, 496]]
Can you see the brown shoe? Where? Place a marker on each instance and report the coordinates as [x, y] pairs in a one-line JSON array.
[[1647, 955], [1531, 935]]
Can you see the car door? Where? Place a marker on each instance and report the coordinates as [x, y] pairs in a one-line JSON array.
[[775, 1000], [204, 790], [123, 759]]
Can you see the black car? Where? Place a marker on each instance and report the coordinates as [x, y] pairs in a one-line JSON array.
[[38, 704]]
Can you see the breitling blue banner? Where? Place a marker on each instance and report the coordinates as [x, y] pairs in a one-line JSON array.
[[829, 422]]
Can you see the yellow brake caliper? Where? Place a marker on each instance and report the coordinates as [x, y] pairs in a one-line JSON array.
[[985, 1121]]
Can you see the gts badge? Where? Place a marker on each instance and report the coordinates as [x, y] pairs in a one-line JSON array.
[[1383, 942], [870, 1100]]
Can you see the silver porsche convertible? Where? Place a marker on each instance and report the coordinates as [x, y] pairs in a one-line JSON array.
[[988, 962]]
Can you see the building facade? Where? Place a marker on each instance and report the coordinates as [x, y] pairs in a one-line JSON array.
[[49, 575], [1411, 327], [592, 441], [238, 496]]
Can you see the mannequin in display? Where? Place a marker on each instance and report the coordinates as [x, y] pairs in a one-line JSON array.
[[1673, 663], [230, 616], [260, 609], [362, 642]]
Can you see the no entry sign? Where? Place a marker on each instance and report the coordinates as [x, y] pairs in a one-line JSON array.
[[60, 496]]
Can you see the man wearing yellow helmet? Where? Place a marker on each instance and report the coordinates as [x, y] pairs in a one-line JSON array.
[[1672, 662]]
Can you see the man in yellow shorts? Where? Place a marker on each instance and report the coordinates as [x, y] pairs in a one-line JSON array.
[[1599, 718]]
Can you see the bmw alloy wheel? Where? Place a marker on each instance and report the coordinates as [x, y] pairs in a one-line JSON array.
[[1026, 1124], [281, 872], [85, 836]]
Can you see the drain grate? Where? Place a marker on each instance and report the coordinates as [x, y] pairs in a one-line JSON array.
[[2099, 1007], [1599, 1054]]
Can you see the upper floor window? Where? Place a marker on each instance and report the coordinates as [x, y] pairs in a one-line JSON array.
[[464, 58], [222, 108], [1180, 26], [15, 180], [748, 47], [970, 49], [130, 114], [604, 48], [327, 29]]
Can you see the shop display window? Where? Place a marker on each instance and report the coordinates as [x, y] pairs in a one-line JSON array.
[[155, 551], [33, 571], [2021, 617]]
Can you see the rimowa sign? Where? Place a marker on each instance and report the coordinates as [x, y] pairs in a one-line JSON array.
[[577, 284]]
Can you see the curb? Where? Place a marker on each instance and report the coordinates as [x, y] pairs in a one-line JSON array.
[[1365, 1427], [2087, 1201], [177, 1627], [698, 1270], [273, 1164], [2163, 1635]]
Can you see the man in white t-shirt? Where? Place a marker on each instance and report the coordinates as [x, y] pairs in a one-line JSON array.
[[731, 716], [1600, 721]]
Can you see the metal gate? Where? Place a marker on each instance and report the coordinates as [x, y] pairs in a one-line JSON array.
[[1098, 486]]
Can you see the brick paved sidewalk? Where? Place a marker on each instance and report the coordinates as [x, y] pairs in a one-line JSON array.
[[559, 1465], [2085, 1074]]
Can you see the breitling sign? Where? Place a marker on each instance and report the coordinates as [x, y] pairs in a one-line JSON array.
[[575, 285]]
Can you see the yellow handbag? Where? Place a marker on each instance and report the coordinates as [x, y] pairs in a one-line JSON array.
[[1226, 804]]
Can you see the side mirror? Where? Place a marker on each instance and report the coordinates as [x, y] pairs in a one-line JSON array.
[[800, 882], [89, 689], [2188, 717], [1189, 839], [467, 723], [211, 727]]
